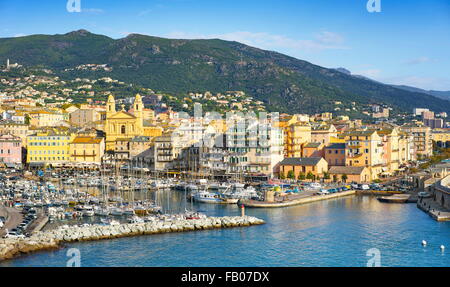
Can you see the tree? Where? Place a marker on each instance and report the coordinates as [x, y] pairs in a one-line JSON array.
[[282, 175], [310, 176], [335, 178], [27, 119], [291, 174], [326, 175], [344, 178], [301, 176]]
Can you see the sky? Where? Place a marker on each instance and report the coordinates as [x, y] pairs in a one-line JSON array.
[[406, 43]]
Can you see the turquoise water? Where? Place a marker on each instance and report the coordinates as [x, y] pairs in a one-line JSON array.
[[330, 233]]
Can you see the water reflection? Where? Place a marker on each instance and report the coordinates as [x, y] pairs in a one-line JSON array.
[[329, 233]]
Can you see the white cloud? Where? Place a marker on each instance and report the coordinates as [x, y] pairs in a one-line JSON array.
[[419, 60], [20, 35], [322, 41], [370, 73]]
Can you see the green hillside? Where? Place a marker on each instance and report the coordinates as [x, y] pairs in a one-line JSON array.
[[284, 83]]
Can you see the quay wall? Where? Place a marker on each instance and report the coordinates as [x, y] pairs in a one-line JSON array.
[[44, 240], [309, 199]]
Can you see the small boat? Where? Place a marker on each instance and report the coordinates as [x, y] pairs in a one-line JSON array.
[[398, 198], [88, 211], [116, 211], [207, 197], [129, 211], [101, 211], [136, 219]]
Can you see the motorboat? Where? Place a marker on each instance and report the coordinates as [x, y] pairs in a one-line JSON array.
[[207, 197]]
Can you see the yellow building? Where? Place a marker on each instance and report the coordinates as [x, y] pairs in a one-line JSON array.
[[365, 148], [296, 136], [323, 134], [51, 147], [391, 156], [87, 149], [297, 132], [121, 124], [441, 137], [153, 131]]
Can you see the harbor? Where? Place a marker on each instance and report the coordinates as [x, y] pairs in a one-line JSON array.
[[335, 232], [46, 211]]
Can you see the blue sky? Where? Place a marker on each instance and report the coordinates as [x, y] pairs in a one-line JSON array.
[[408, 42]]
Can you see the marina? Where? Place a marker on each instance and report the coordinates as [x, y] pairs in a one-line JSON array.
[[335, 232], [48, 210]]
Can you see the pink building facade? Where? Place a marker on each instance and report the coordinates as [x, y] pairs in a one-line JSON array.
[[10, 149]]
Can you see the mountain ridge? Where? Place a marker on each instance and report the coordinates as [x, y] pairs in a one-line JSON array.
[[284, 83]]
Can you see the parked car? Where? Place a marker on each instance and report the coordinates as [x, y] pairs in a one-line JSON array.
[[323, 192], [364, 187], [315, 185]]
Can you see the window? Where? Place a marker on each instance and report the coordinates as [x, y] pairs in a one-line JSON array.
[[123, 130]]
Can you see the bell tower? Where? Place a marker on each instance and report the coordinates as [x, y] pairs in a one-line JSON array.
[[138, 108], [110, 106]]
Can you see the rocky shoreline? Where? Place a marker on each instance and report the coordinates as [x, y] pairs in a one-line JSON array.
[[44, 240]]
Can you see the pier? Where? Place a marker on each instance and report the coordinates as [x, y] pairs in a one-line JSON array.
[[295, 200], [43, 240], [437, 212]]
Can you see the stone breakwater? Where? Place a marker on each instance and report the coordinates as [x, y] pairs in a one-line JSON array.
[[44, 240]]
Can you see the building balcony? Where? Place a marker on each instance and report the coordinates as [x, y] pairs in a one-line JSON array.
[[354, 155], [354, 146], [84, 155]]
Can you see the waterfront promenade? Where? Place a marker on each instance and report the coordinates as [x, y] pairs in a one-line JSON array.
[[433, 209], [297, 199]]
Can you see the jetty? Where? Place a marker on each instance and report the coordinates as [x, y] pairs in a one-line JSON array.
[[434, 210], [294, 200], [44, 240]]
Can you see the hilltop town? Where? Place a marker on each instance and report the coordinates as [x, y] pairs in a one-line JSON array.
[[46, 121]]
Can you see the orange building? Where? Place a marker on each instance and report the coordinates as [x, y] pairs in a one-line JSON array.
[[301, 165], [313, 150], [335, 154]]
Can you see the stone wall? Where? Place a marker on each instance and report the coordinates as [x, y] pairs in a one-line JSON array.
[[42, 240]]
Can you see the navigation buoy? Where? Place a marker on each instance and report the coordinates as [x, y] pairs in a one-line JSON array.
[[424, 243], [442, 248]]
